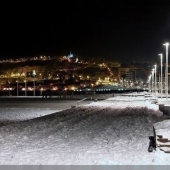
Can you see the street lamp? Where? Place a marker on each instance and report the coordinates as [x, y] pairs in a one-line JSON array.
[[34, 74], [17, 87], [152, 80], [25, 86], [149, 83], [166, 71], [161, 73], [155, 82], [9, 87]]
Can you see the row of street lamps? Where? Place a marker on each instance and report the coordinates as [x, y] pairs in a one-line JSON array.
[[154, 80], [34, 74]]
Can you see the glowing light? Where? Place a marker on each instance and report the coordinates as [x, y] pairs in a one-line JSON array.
[[70, 55]]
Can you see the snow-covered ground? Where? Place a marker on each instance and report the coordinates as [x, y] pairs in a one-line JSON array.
[[110, 132]]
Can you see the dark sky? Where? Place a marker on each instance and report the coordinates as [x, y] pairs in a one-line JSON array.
[[121, 32]]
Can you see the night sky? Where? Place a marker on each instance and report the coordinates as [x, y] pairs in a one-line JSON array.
[[121, 32]]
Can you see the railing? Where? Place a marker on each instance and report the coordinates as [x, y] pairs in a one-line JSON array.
[[80, 101]]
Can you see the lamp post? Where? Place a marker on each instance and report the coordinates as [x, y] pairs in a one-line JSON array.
[[152, 80], [34, 74], [9, 88], [155, 82], [161, 73], [25, 86], [17, 87], [34, 86], [166, 71], [149, 83]]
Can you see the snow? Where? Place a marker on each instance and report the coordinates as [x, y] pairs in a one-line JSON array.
[[114, 131]]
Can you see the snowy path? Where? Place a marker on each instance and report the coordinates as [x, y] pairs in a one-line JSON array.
[[97, 133], [25, 109]]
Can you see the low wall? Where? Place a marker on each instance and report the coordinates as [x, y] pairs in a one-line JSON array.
[[165, 109]]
